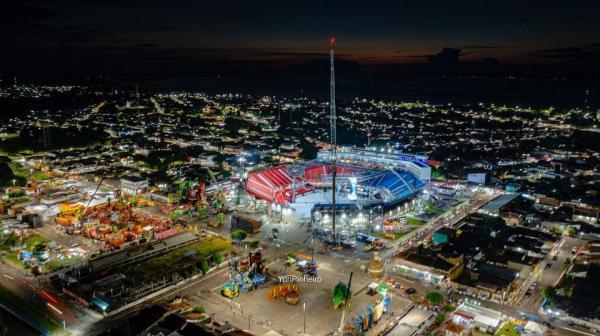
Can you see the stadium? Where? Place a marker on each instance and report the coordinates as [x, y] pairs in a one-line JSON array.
[[369, 182]]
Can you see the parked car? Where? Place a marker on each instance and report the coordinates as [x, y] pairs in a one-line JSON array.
[[548, 324], [348, 243], [410, 291], [320, 232]]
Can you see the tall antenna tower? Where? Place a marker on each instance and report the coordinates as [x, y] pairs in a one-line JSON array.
[[586, 101], [333, 117], [47, 134]]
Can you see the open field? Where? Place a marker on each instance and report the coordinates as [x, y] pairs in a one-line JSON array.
[[189, 258]]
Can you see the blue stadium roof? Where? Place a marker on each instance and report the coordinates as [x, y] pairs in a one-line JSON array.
[[399, 184]]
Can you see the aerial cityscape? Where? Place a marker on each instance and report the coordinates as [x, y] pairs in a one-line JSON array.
[[327, 168]]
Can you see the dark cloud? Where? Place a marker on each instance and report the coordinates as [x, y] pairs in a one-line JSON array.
[[573, 54], [561, 50], [21, 17], [147, 45], [447, 56], [482, 47], [97, 34], [414, 56]]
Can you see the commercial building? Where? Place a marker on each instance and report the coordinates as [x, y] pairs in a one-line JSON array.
[[131, 185], [430, 265]]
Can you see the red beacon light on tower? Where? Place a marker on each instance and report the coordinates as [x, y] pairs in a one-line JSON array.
[[332, 41]]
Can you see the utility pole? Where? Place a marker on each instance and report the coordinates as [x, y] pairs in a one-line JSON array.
[[304, 310], [333, 131]]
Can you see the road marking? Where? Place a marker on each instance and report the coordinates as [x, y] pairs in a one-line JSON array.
[[577, 331], [54, 308], [8, 276]]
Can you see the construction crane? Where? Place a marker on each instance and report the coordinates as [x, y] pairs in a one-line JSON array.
[[91, 198]]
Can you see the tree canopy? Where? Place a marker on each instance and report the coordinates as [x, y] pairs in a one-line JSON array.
[[239, 235], [434, 298]]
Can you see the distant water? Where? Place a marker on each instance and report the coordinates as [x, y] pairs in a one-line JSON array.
[[435, 89]]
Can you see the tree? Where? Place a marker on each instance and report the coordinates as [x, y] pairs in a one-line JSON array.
[[549, 293], [198, 309], [16, 193], [239, 235], [492, 223], [194, 268], [440, 318], [204, 266], [309, 150], [434, 298], [221, 219], [339, 294], [217, 257], [571, 230], [201, 213], [10, 240], [254, 244], [39, 247]]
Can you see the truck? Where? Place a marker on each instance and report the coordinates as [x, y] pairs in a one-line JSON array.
[[248, 224], [364, 238]]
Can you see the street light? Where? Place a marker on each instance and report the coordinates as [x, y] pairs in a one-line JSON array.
[[304, 310]]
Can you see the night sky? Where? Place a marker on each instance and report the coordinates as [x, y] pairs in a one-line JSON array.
[[173, 37]]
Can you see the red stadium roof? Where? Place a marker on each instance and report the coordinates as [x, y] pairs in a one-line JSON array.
[[316, 173], [273, 185]]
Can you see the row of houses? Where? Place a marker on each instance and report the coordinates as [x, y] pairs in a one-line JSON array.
[[482, 256]]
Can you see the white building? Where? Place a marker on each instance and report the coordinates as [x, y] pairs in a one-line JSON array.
[[131, 185]]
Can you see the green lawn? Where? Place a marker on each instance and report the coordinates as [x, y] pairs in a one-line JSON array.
[[19, 170], [40, 176], [172, 259], [35, 239], [414, 221], [29, 242], [55, 263], [397, 235], [508, 329], [431, 210], [13, 259], [7, 135]]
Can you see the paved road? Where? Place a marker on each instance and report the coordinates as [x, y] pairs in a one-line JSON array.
[[33, 292]]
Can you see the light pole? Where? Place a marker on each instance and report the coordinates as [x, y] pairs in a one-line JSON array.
[[502, 307], [241, 160], [304, 310]]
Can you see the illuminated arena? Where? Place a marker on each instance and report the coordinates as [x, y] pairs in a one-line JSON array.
[[367, 180]]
